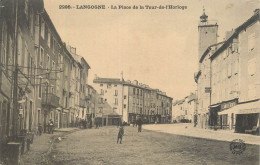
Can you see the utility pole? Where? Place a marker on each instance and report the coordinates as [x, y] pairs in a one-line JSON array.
[[15, 75]]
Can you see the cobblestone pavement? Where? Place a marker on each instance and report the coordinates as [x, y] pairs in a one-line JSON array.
[[98, 147], [187, 129]]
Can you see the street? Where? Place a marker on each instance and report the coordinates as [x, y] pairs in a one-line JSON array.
[[98, 146]]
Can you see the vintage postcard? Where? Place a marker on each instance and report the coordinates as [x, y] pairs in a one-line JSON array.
[[129, 82]]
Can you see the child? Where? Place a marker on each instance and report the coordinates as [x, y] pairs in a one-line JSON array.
[[120, 134]]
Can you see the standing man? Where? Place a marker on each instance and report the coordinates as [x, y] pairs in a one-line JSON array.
[[139, 123], [51, 126], [120, 134]]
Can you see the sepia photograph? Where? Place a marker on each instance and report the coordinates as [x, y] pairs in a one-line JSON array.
[[129, 82]]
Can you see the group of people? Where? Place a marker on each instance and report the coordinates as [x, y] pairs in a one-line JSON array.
[[88, 124], [83, 123], [49, 128]]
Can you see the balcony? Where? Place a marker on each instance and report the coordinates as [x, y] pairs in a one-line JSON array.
[[50, 100]]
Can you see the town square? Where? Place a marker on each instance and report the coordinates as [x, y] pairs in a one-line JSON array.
[[129, 82]]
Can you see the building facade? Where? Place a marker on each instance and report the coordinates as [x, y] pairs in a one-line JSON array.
[[237, 93], [184, 110], [133, 100], [228, 78], [36, 72]]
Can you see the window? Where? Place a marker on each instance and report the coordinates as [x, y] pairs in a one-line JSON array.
[[20, 48], [41, 57], [40, 88], [100, 100], [124, 105], [4, 45], [49, 39], [10, 55], [48, 62], [53, 65], [101, 85], [228, 51], [101, 91], [251, 42], [134, 91], [53, 42], [100, 109], [26, 59], [116, 101], [116, 92], [108, 85], [235, 67], [30, 68], [234, 47], [251, 67], [39, 116], [31, 22], [26, 8], [124, 96], [42, 28]]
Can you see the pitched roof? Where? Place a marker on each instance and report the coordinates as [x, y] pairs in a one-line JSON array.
[[247, 23]]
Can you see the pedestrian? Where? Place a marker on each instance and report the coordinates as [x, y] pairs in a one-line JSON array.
[[40, 129], [120, 134], [100, 123], [51, 125], [96, 124], [90, 124], [84, 124], [139, 123], [134, 123]]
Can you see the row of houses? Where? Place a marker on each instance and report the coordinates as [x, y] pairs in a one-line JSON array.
[[184, 110], [115, 100], [228, 77], [41, 78]]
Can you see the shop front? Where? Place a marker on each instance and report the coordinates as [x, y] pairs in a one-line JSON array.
[[218, 116], [242, 118]]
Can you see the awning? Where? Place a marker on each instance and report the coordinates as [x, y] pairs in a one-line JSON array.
[[245, 108], [214, 106]]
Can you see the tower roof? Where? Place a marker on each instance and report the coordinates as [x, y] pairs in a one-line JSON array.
[[203, 17]]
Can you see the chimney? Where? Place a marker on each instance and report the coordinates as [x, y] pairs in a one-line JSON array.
[[73, 50], [135, 82]]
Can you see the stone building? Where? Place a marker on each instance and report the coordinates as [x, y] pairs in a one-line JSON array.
[[184, 110], [35, 71], [228, 78], [236, 78], [133, 100]]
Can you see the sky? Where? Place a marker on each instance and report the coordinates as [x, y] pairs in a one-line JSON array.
[[156, 47]]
